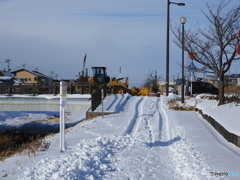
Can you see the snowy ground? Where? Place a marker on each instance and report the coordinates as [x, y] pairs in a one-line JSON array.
[[227, 115], [142, 140]]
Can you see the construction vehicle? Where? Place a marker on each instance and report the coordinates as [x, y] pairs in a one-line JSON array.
[[118, 87], [114, 85], [99, 74], [143, 91]]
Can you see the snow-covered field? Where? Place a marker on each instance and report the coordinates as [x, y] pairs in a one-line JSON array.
[[142, 140]]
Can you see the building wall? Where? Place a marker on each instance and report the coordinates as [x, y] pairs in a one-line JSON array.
[[162, 86], [29, 77]]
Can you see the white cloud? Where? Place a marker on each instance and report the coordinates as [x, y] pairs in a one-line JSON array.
[[55, 34]]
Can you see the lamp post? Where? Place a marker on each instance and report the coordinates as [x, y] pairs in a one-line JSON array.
[[183, 21], [167, 48]]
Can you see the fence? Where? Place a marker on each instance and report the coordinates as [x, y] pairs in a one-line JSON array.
[[35, 89]]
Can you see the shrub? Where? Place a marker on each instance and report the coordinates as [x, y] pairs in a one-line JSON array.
[[12, 142]]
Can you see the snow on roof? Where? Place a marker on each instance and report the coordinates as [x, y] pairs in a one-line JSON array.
[[7, 73], [234, 75], [41, 74], [33, 72], [4, 78], [18, 82]]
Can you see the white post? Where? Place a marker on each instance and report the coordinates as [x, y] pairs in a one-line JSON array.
[[63, 102], [62, 128]]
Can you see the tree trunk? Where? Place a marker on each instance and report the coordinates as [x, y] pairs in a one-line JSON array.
[[221, 90]]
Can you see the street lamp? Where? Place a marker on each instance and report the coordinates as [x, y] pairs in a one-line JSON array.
[[183, 21], [167, 48]]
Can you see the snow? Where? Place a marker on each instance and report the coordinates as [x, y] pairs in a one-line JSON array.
[[144, 139], [47, 96], [5, 78], [18, 118], [227, 115]]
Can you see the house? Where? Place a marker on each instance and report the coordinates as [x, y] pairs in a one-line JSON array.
[[162, 86], [213, 79], [6, 78], [32, 77], [233, 79]]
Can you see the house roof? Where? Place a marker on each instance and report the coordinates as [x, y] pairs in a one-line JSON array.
[[7, 73], [33, 72], [234, 75]]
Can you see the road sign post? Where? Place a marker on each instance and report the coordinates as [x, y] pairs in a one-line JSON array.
[[191, 68]]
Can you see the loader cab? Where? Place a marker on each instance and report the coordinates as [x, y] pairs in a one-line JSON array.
[[100, 75]]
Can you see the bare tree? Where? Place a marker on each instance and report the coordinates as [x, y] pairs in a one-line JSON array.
[[152, 81], [215, 46]]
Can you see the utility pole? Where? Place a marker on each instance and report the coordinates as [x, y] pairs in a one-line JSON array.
[[183, 21], [120, 72], [167, 44], [84, 65], [24, 66], [8, 62]]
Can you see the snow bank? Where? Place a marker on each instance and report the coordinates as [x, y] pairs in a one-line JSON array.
[[227, 115], [90, 159]]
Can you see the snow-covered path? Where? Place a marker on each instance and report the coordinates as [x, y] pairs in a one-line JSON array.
[[155, 151], [143, 140]]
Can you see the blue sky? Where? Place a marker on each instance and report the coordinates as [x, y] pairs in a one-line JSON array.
[[54, 35]]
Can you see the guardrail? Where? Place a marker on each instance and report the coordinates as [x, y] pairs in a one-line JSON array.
[[35, 89]]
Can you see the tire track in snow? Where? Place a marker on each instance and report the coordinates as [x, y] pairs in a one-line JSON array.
[[164, 120], [155, 122], [186, 162], [149, 129], [119, 103], [160, 120], [150, 121], [113, 102], [133, 122], [144, 129], [121, 106]]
